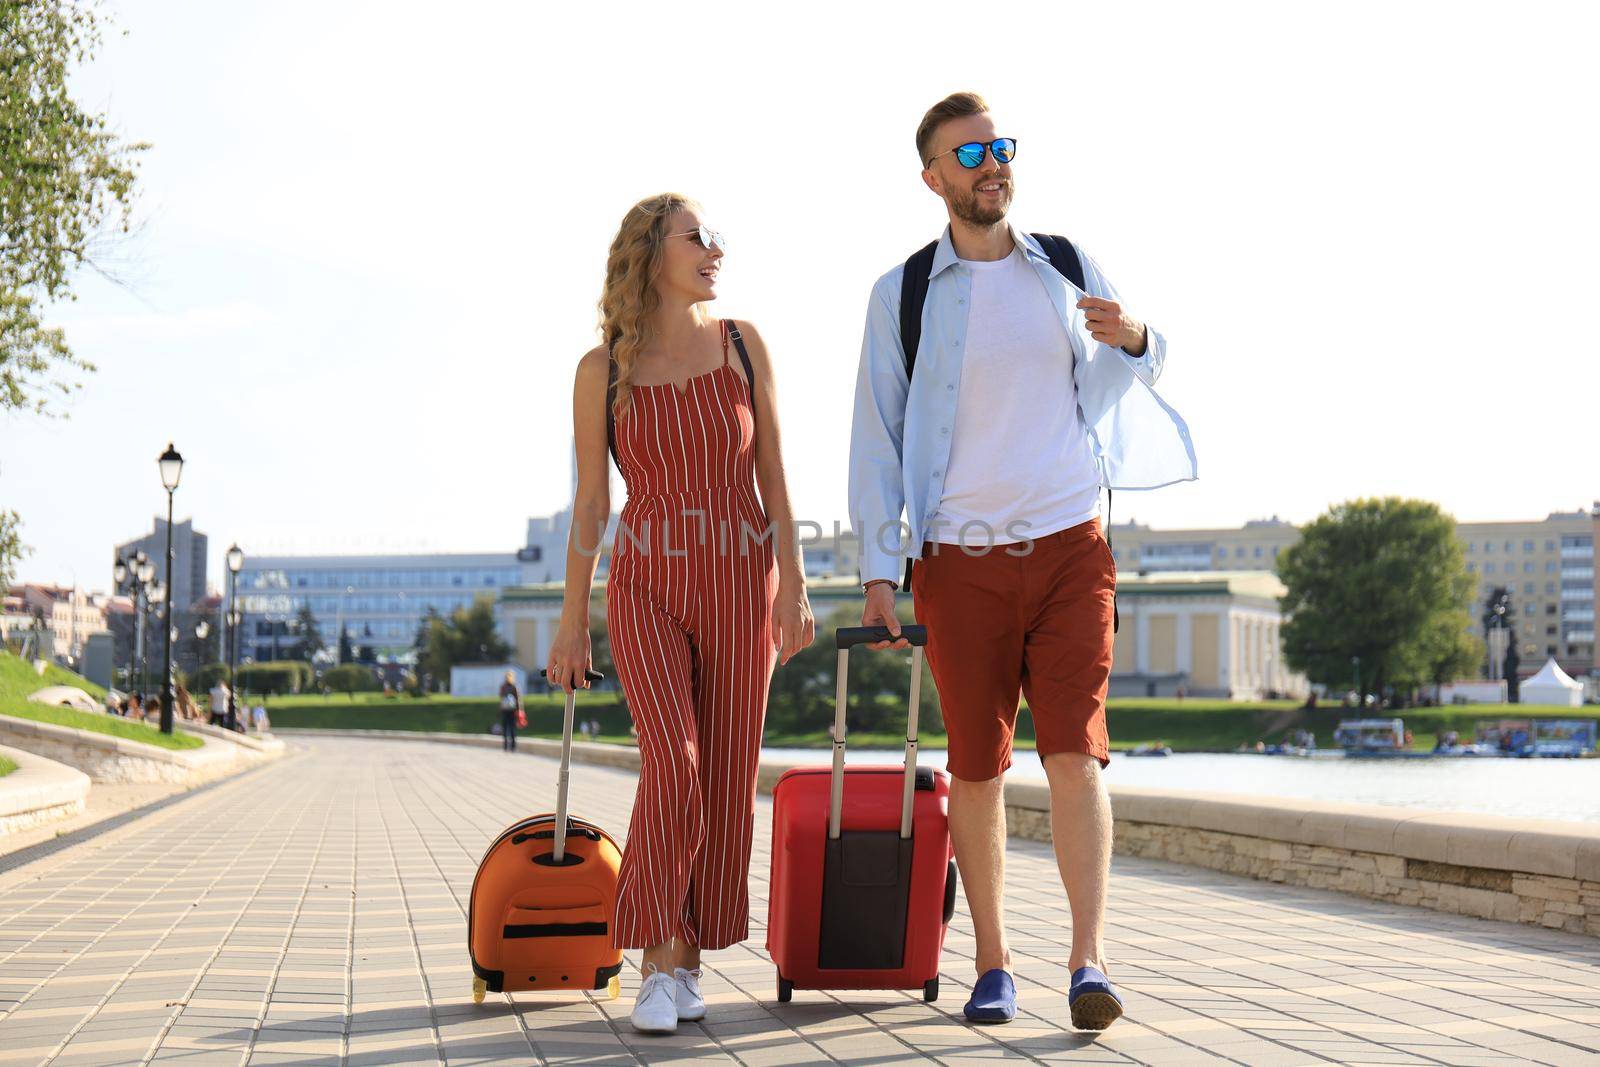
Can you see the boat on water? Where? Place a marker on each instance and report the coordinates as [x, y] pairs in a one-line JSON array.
[[1562, 739], [1157, 749], [1375, 739]]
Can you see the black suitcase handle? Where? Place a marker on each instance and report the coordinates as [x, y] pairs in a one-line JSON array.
[[850, 636], [588, 676]]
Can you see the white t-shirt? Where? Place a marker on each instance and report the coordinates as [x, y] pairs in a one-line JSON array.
[[1019, 452], [219, 698]]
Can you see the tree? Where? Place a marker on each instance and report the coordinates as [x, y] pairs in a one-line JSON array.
[[346, 652], [1371, 579], [1449, 650], [11, 548], [308, 636], [420, 644], [469, 636], [350, 678], [65, 179]]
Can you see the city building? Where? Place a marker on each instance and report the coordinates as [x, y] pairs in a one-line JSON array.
[[189, 559], [1546, 564], [70, 615], [1208, 634], [379, 600]]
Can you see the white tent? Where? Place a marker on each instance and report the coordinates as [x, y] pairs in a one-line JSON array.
[[1551, 685]]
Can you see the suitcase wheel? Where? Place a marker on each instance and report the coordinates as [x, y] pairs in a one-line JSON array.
[[785, 990], [479, 989], [614, 987], [930, 989]]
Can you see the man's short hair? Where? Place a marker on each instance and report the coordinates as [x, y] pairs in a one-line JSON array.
[[954, 106]]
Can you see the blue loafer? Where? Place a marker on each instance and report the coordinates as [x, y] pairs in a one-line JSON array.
[[994, 999], [1093, 1000]]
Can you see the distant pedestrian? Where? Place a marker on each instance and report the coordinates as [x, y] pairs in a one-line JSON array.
[[259, 715], [219, 703], [510, 706]]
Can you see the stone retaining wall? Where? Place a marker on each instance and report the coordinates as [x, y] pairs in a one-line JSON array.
[[105, 758], [38, 791], [1540, 872]]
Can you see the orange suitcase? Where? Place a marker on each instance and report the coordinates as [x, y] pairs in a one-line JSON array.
[[543, 899]]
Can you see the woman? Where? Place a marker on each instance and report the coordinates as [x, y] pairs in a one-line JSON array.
[[510, 705], [698, 599]]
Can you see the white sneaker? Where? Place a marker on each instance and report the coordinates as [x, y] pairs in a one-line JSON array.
[[691, 1005], [656, 1010]]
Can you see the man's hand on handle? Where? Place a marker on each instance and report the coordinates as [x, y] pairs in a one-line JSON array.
[[879, 611]]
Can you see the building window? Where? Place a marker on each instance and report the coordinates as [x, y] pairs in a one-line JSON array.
[[1527, 568], [1527, 587], [1238, 553], [1550, 588], [1527, 546], [1549, 609], [1472, 547], [1488, 568], [1472, 568], [1488, 546], [1527, 609], [1549, 631], [1550, 567], [1508, 546], [1550, 650], [1258, 552]]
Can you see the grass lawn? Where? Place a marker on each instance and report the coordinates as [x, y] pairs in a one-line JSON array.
[[100, 724], [6, 766], [1187, 725], [17, 679]]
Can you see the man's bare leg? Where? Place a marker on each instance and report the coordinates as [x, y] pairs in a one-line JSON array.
[[978, 832], [1080, 825]]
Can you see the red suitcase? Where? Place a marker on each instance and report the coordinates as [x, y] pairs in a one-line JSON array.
[[863, 879]]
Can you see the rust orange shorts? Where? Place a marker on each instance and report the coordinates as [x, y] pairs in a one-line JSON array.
[[1003, 624]]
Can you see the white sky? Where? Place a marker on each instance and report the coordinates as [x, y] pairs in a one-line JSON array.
[[373, 236]]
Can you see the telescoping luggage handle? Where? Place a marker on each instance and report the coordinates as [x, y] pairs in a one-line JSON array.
[[848, 637], [560, 851]]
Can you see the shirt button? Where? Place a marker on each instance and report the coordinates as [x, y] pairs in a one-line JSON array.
[[963, 300], [944, 429], [950, 388]]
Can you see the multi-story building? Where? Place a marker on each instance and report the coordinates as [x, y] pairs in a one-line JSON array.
[[378, 600], [69, 613], [189, 547], [1547, 565]]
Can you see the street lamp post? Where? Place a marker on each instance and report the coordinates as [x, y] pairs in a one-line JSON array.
[[171, 464], [235, 563]]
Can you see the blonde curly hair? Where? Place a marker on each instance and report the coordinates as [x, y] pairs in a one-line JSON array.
[[629, 297]]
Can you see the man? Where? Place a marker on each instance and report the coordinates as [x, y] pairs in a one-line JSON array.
[[1028, 393]]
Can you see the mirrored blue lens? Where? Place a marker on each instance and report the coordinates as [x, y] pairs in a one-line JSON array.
[[970, 155], [1004, 149]]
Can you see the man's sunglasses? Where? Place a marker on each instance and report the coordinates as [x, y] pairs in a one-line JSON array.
[[970, 155], [708, 239]]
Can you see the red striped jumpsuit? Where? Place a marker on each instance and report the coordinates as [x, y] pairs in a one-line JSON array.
[[689, 608]]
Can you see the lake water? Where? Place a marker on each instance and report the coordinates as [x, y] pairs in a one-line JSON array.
[[1523, 788]]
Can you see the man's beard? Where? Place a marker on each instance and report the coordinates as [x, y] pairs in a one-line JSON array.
[[969, 211]]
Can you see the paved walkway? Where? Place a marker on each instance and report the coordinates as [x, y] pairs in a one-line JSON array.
[[314, 912]]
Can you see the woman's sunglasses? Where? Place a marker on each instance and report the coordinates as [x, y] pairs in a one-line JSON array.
[[708, 239], [970, 155]]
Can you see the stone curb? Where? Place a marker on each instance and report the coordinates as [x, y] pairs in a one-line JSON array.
[[104, 757], [39, 790]]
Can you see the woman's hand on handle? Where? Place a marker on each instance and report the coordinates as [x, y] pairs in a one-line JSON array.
[[793, 626], [569, 659]]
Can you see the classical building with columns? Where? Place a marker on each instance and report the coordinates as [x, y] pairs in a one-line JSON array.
[[1211, 633]]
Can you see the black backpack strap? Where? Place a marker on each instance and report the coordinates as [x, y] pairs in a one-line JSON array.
[[611, 399], [913, 294], [1063, 257], [744, 357]]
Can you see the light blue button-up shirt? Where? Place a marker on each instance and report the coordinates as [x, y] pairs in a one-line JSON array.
[[900, 439]]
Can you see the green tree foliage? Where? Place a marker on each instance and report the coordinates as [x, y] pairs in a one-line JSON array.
[[208, 676], [346, 649], [307, 636], [468, 636], [66, 181], [282, 676], [350, 678], [1379, 579], [802, 693], [11, 548]]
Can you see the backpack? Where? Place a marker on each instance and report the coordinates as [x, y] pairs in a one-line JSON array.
[[914, 294]]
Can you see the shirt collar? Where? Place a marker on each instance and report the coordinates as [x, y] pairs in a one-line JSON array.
[[945, 255]]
